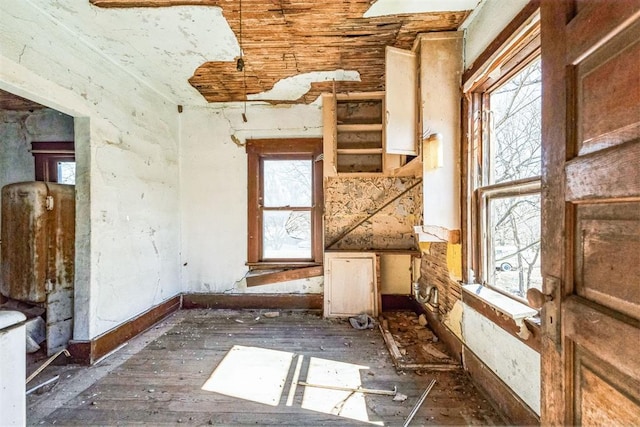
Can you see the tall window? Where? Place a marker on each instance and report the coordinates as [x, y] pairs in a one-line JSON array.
[[285, 202], [506, 111]]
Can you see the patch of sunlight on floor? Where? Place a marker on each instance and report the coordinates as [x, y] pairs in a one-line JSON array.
[[347, 404], [260, 375], [251, 373]]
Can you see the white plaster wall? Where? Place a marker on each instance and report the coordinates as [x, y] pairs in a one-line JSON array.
[[128, 223], [485, 23], [514, 362], [214, 191]]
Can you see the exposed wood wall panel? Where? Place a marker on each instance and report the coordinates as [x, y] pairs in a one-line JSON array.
[[349, 200]]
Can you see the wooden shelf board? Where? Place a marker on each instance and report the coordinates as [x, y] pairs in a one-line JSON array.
[[367, 127], [357, 96], [359, 151]]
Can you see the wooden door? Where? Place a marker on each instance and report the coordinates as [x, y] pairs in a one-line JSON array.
[[591, 212], [401, 114]]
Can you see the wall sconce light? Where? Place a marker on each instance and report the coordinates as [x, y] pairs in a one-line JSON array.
[[432, 151]]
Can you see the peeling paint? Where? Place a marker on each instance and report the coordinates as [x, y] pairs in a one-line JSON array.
[[295, 87], [454, 318], [350, 200], [454, 261], [170, 43], [395, 7]]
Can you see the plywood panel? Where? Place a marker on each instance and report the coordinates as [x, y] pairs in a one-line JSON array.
[[395, 270], [350, 200]]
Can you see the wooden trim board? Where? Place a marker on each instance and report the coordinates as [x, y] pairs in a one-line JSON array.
[[90, 351], [254, 301], [266, 278], [508, 324]]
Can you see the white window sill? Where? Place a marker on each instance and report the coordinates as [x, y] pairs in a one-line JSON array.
[[505, 305]]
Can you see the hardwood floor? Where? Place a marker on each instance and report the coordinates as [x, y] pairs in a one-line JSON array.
[[165, 377]]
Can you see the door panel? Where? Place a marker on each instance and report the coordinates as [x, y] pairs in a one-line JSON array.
[[400, 101], [603, 230], [591, 210], [601, 402], [616, 63]]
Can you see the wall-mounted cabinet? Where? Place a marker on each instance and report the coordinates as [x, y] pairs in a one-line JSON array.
[[354, 137], [374, 132]]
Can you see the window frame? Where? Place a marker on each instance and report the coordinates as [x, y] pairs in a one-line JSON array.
[[46, 156], [259, 150], [507, 56]]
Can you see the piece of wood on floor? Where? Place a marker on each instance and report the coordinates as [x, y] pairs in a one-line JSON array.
[[266, 278]]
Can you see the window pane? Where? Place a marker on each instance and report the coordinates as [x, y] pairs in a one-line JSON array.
[[67, 173], [516, 119], [287, 183], [514, 249], [286, 234]]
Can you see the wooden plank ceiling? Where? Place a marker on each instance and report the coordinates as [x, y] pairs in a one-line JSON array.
[[284, 38]]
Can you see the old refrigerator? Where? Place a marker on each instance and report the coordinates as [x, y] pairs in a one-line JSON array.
[[38, 251]]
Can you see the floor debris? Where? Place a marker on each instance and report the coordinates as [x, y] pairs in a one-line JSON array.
[[412, 345]]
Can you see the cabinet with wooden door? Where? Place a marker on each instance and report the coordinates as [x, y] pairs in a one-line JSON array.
[[374, 133], [350, 284]]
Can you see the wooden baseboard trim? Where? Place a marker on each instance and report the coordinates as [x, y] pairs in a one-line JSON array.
[[254, 301], [88, 352], [397, 303], [453, 343], [507, 402]]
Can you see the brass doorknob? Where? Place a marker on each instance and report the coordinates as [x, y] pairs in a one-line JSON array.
[[536, 298]]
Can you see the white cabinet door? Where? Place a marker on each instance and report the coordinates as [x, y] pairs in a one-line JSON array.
[[350, 284], [401, 103]]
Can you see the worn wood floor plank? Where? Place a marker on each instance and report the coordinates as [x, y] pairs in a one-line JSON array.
[[162, 383]]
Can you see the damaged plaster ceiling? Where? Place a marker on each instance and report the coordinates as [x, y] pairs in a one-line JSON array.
[[293, 50]]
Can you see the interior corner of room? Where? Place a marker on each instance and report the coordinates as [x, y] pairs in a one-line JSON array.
[[473, 166]]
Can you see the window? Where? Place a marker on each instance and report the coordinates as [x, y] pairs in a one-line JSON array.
[[505, 111], [285, 202], [54, 162]]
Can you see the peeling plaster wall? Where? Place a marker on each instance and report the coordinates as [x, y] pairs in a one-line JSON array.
[[214, 191], [127, 223], [511, 360]]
